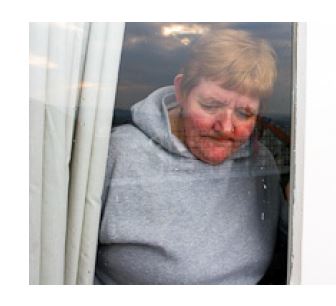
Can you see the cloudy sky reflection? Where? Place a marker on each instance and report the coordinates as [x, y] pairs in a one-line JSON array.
[[153, 54]]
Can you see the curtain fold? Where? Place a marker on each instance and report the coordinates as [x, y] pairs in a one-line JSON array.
[[73, 76], [37, 81]]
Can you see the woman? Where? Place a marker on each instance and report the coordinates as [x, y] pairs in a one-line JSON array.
[[190, 196]]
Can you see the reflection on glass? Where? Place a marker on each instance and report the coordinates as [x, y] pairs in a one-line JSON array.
[[194, 183]]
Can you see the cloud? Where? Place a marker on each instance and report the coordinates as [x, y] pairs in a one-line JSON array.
[[154, 52], [176, 29]]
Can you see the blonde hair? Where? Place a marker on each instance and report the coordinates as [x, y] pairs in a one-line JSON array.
[[234, 59]]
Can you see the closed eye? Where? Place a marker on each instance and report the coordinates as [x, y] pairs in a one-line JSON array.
[[209, 107], [245, 113], [213, 105]]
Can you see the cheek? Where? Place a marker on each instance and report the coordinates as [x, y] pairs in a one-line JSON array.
[[244, 130], [198, 122]]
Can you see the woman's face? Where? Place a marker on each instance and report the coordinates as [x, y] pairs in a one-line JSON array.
[[216, 121]]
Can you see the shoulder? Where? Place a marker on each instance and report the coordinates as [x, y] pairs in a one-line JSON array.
[[126, 137], [128, 146], [263, 159], [262, 151]]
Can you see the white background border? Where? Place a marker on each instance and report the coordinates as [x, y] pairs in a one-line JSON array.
[[319, 162]]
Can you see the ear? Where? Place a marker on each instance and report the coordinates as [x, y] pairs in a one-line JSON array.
[[177, 84]]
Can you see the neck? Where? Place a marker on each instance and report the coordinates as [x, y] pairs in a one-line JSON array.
[[176, 122]]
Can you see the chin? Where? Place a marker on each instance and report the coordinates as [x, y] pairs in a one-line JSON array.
[[211, 155], [213, 163], [214, 160]]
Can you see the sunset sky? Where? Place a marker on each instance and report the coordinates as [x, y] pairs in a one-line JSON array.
[[154, 52]]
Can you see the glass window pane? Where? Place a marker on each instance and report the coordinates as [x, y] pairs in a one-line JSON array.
[[199, 168]]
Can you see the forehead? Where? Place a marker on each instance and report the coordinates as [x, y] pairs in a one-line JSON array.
[[211, 90]]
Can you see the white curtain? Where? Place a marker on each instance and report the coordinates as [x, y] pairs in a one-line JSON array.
[[73, 77]]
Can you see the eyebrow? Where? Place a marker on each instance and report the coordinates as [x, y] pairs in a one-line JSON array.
[[215, 101], [212, 100], [209, 99]]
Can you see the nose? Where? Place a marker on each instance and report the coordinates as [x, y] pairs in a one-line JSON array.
[[224, 122]]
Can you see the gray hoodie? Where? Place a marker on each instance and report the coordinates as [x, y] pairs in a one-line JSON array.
[[169, 218]]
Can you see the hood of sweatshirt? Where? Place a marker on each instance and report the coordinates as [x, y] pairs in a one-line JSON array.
[[151, 117]]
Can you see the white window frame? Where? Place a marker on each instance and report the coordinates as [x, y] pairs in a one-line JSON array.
[[312, 227], [297, 153]]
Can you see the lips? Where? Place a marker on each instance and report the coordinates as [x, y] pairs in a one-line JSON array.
[[220, 141]]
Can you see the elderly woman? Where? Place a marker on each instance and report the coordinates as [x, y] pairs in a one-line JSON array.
[[190, 196]]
